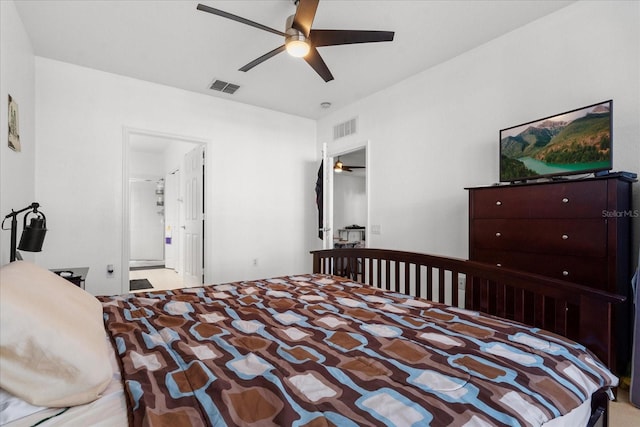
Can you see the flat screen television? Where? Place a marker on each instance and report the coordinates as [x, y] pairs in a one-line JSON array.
[[570, 143]]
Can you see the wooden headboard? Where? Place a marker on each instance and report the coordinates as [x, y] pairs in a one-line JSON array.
[[580, 313]]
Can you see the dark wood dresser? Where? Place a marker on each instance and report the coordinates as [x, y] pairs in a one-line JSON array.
[[576, 230]]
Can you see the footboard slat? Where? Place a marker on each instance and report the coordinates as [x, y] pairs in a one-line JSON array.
[[538, 310], [561, 310], [483, 303], [407, 279], [501, 301], [455, 276], [577, 312], [387, 265], [441, 292], [429, 283], [518, 305]]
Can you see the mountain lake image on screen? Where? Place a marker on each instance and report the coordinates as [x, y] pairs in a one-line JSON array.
[[574, 142]]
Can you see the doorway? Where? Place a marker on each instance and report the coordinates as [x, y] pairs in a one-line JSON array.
[[159, 197], [346, 199]]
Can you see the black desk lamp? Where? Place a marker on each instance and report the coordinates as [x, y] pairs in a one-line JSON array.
[[32, 234]]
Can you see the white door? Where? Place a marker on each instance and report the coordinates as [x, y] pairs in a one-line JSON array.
[[193, 208], [171, 220]]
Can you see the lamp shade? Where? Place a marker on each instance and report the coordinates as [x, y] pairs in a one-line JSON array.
[[297, 48], [33, 235]]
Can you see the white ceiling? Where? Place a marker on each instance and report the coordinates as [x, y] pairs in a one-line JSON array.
[[172, 43]]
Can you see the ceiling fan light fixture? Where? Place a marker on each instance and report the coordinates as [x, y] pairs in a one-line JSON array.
[[337, 167], [297, 45], [298, 34], [296, 42]]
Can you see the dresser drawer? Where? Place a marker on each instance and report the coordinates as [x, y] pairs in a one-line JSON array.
[[557, 200], [581, 237], [588, 271]]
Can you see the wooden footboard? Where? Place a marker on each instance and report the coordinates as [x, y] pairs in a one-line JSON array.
[[580, 313]]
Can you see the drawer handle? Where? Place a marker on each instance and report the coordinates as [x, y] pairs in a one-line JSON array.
[[565, 200], [565, 273], [565, 237], [498, 234], [498, 203]]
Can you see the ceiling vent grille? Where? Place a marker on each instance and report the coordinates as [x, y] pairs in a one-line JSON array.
[[345, 129], [222, 86]]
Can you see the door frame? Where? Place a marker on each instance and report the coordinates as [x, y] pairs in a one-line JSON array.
[[330, 151], [127, 132]]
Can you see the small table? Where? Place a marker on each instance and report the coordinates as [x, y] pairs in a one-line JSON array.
[[75, 275], [347, 232]]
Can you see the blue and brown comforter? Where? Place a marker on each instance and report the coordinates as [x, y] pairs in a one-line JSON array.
[[317, 350]]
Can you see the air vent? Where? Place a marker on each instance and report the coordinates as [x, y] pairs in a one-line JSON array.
[[225, 87], [345, 129]]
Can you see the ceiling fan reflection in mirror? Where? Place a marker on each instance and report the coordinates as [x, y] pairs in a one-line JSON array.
[[301, 40], [340, 167]]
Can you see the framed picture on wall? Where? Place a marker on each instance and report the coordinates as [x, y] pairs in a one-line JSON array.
[[14, 131]]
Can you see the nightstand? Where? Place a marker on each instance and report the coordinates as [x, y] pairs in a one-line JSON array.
[[75, 275]]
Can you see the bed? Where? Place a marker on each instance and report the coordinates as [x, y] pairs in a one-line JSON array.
[[370, 337]]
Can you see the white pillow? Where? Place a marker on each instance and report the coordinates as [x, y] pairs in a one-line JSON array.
[[52, 346]]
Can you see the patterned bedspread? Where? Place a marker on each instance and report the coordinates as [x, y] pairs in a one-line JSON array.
[[318, 350]]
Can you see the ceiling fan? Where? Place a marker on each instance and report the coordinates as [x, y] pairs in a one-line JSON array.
[[301, 40], [340, 167]]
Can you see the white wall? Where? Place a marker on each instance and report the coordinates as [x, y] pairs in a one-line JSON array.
[[146, 219], [255, 209], [146, 222], [16, 168], [144, 164], [440, 127]]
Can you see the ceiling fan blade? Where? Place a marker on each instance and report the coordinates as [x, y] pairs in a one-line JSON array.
[[237, 18], [338, 37], [263, 58], [314, 59], [305, 13], [355, 167]]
